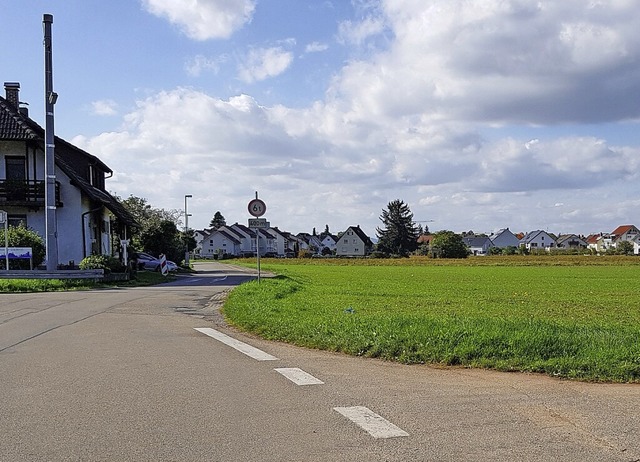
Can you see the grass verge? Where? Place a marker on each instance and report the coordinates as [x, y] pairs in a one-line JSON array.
[[566, 320], [144, 278]]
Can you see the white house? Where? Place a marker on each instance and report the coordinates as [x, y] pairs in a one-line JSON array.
[[199, 235], [624, 233], [284, 242], [238, 240], [353, 243], [570, 241], [221, 241], [503, 238], [328, 242], [636, 245], [311, 242], [84, 210], [600, 242], [538, 240], [478, 245]]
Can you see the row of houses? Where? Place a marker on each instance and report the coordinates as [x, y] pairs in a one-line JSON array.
[[240, 240], [542, 240]]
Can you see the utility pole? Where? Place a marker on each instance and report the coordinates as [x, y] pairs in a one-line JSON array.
[[186, 230], [50, 98]]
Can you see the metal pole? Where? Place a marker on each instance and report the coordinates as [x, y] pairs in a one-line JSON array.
[[6, 242], [50, 97], [186, 230], [258, 247], [258, 251]]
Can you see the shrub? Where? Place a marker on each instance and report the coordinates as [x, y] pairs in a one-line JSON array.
[[304, 253], [19, 236], [104, 262]]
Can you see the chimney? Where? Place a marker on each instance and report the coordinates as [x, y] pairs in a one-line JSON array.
[[12, 91]]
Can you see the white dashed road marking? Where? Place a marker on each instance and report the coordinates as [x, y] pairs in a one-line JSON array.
[[237, 344], [298, 376], [372, 423]]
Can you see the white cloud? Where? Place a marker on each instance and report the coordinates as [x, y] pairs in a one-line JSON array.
[[105, 107], [263, 63], [199, 64], [316, 47], [499, 62], [204, 19], [358, 32], [407, 122]]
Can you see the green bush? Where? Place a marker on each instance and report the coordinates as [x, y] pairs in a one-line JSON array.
[[305, 253], [19, 236], [104, 262]]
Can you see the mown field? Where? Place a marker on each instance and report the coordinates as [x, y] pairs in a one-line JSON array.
[[571, 317]]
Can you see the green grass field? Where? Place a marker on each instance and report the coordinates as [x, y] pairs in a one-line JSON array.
[[569, 317]]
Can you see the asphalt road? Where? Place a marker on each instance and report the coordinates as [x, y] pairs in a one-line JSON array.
[[123, 375]]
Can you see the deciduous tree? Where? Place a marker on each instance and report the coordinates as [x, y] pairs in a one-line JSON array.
[[447, 244]]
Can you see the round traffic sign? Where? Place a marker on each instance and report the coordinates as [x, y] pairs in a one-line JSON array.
[[257, 207]]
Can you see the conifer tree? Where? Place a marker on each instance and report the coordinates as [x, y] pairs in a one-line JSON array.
[[400, 234]]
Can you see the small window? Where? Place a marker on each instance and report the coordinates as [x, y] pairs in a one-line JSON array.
[[15, 168], [17, 220]]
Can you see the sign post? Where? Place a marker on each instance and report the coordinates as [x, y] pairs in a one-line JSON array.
[[3, 219], [257, 208]]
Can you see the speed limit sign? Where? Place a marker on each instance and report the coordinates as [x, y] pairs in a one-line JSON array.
[[257, 207]]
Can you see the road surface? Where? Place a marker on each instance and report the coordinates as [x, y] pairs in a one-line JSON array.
[[154, 374]]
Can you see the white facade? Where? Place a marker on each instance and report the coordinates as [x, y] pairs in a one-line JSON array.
[[353, 243], [504, 238], [538, 240]]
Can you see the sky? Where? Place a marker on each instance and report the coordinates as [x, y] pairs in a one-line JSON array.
[[479, 115]]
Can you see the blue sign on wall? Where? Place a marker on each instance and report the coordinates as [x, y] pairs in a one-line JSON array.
[[17, 252]]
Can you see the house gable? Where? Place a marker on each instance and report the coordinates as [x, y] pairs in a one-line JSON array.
[[353, 242]]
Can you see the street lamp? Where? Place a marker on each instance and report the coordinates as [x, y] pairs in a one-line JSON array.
[[186, 228]]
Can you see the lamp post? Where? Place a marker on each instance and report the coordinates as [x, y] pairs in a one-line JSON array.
[[186, 229]]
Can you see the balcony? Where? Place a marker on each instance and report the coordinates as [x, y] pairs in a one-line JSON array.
[[25, 193]]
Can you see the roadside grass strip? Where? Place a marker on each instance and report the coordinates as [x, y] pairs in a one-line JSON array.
[[242, 347], [570, 321], [372, 423], [298, 376]]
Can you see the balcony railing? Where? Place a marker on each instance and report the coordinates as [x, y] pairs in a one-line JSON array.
[[25, 193]]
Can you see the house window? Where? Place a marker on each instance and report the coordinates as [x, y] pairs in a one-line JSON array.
[[346, 241], [15, 168], [17, 220]]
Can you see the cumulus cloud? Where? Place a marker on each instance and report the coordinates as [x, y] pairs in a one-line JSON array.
[[105, 107], [407, 122], [500, 62], [357, 33], [316, 47], [263, 63], [204, 19], [199, 64]]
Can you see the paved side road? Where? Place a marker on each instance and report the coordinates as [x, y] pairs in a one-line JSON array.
[[123, 375]]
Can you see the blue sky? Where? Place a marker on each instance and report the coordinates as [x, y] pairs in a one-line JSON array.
[[479, 115]]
